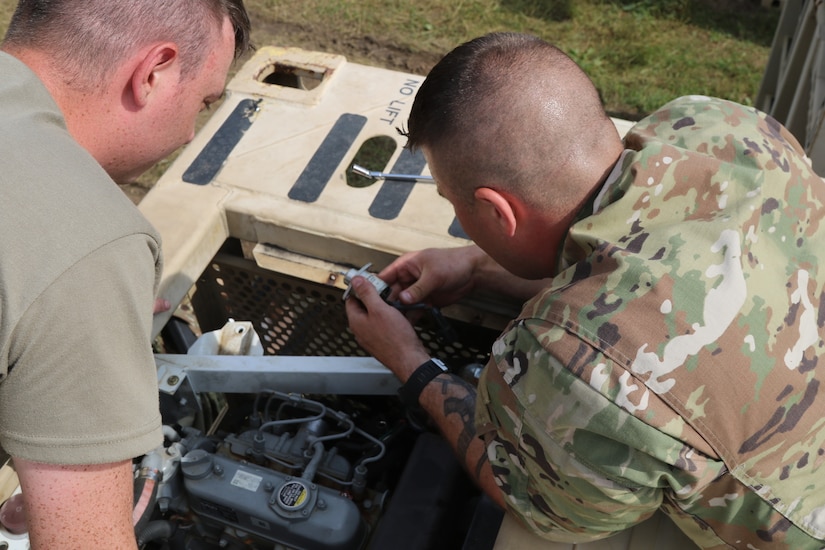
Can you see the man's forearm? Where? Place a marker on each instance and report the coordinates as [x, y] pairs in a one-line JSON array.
[[450, 401]]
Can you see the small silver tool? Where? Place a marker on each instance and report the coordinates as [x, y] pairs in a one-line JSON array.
[[380, 286], [361, 171]]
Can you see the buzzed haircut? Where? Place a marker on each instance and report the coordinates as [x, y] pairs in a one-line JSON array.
[[469, 75], [510, 111], [88, 38]]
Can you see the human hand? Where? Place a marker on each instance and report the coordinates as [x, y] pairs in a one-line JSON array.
[[383, 331], [161, 305], [439, 276]]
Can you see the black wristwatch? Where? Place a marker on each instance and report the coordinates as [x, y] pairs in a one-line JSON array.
[[412, 388]]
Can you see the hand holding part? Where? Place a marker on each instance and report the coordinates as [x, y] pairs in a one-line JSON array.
[[380, 286], [438, 276], [383, 331], [444, 331]]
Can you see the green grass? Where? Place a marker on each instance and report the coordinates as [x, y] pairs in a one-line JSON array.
[[639, 53]]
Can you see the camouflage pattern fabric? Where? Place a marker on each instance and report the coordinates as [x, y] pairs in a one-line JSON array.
[[673, 361]]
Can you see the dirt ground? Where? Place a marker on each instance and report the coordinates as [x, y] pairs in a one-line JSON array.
[[364, 49]]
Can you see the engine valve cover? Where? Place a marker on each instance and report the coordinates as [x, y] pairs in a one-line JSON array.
[[288, 510]]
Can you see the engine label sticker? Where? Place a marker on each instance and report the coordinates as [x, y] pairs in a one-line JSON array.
[[292, 495], [247, 481]]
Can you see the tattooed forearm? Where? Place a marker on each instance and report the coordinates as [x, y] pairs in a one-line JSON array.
[[480, 463], [451, 402], [460, 401]]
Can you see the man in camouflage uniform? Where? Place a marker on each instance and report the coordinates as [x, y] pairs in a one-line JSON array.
[[669, 359]]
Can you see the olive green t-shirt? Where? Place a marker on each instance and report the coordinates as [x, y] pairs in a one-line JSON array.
[[79, 267]]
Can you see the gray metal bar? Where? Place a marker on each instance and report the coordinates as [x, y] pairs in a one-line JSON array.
[[245, 374]]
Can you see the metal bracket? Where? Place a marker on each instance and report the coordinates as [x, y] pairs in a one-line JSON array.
[[288, 374]]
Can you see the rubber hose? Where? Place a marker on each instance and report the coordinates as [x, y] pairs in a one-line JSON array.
[[158, 529], [146, 491]]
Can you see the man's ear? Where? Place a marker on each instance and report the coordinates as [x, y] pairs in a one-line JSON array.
[[503, 207], [152, 67]]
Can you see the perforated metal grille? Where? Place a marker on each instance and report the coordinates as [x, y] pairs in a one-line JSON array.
[[296, 317]]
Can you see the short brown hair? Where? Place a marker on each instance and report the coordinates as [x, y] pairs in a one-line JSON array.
[[90, 37]]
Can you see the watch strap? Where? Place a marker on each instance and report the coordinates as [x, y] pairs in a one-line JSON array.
[[410, 391]]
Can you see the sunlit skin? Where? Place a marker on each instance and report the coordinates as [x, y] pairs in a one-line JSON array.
[[147, 111], [56, 504], [158, 110]]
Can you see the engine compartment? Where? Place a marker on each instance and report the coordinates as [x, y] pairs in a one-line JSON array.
[[288, 471], [265, 449]]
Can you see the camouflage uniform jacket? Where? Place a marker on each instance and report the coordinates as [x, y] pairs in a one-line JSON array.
[[673, 361]]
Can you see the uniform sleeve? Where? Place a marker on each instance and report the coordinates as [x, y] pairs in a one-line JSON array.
[[82, 386], [573, 466]]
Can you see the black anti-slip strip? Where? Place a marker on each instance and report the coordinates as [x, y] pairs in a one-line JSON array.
[[212, 157], [393, 193], [322, 165]]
